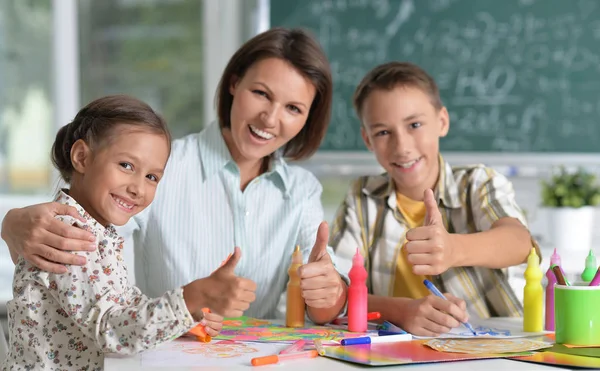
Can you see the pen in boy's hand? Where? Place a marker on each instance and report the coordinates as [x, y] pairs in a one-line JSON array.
[[430, 286]]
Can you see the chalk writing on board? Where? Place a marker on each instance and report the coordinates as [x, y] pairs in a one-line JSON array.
[[516, 76]]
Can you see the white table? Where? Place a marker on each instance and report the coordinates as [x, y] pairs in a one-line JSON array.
[[134, 363], [328, 364]]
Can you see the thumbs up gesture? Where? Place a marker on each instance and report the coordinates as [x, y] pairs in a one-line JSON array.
[[429, 248], [321, 284], [223, 292]]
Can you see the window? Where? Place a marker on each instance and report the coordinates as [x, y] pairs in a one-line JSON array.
[[149, 49], [26, 124]]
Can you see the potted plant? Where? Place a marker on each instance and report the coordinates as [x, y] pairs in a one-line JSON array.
[[570, 198]]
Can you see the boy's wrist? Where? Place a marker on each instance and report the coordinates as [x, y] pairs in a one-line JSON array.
[[459, 251]]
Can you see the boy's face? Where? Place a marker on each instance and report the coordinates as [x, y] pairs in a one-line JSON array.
[[402, 127], [120, 178]]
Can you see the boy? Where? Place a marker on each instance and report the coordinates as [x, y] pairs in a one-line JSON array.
[[457, 226]]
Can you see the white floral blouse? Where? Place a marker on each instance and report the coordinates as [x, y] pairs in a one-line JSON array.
[[68, 321]]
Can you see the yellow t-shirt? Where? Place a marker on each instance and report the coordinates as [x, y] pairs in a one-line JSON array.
[[408, 284]]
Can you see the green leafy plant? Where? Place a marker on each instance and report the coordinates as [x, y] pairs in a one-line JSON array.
[[565, 189]]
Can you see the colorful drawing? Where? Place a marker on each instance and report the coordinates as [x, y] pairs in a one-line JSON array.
[[487, 329], [400, 353], [486, 346], [250, 329], [186, 352], [560, 359]]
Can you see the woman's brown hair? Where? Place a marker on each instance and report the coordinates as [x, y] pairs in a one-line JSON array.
[[96, 123], [303, 52]]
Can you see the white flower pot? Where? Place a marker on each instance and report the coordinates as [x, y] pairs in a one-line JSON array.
[[571, 230]]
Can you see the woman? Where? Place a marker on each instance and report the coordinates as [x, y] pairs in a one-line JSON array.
[[227, 186]]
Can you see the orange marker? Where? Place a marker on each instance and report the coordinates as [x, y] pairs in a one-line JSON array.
[[200, 332], [270, 360]]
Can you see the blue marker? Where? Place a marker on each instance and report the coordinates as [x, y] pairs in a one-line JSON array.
[[437, 293], [376, 339]]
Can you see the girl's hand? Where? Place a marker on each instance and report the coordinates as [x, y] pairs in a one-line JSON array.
[[223, 292], [213, 323], [34, 233]]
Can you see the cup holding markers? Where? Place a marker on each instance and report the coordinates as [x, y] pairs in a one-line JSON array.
[[577, 315]]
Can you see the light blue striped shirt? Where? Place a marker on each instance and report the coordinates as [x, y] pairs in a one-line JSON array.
[[200, 214]]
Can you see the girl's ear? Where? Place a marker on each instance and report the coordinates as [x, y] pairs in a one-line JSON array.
[[81, 155]]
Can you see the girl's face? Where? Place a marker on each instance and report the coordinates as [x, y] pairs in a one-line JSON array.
[[119, 179], [271, 103]]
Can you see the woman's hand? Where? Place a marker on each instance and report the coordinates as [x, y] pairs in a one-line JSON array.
[[321, 284], [34, 233]]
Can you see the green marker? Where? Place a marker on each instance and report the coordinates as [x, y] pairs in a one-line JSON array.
[[590, 267]]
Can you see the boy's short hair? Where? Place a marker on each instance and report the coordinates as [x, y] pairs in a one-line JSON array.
[[390, 75]]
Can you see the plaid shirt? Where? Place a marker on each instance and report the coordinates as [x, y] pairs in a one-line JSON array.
[[470, 198]]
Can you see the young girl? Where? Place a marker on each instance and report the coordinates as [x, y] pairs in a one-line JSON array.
[[113, 156]]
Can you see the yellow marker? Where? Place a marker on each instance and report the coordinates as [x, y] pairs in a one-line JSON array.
[[533, 294], [294, 314]]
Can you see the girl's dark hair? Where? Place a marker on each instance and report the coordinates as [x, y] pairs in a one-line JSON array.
[[303, 52], [96, 123]]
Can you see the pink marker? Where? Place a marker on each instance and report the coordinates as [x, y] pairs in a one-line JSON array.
[[554, 260], [296, 347], [357, 295], [596, 279]]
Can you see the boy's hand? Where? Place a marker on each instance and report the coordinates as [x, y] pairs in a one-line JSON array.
[[223, 292], [321, 284], [431, 315], [213, 323], [429, 248]]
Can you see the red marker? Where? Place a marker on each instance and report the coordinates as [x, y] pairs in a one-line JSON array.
[[371, 316]]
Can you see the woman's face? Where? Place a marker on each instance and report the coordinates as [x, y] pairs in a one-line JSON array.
[[271, 103]]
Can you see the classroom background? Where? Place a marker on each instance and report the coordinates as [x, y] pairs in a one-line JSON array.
[[520, 81]]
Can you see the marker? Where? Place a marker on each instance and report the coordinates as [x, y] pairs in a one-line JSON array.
[[596, 280], [270, 360], [559, 275], [437, 293], [388, 333], [200, 332], [567, 283], [390, 327], [590, 267], [370, 317], [376, 339], [296, 347]]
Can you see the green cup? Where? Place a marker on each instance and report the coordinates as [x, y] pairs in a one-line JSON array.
[[577, 314]]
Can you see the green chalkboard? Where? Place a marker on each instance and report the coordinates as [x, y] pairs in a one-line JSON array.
[[516, 75]]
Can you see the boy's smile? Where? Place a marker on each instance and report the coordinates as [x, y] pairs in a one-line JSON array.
[[402, 127]]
